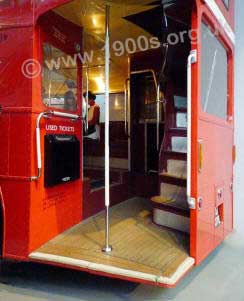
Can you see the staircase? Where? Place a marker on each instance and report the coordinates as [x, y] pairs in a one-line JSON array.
[[170, 208]]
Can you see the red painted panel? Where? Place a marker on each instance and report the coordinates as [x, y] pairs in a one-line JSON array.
[[33, 214], [16, 48], [16, 200], [15, 131], [62, 33], [217, 137], [25, 12], [56, 209], [4, 136], [229, 13], [19, 144]]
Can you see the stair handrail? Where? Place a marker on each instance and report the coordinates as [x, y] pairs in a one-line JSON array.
[[192, 58]]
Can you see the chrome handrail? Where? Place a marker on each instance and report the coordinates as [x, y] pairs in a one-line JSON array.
[[38, 136]]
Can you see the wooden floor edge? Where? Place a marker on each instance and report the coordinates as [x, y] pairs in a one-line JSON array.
[[180, 272], [186, 265]]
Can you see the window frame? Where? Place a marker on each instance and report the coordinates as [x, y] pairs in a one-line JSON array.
[[64, 53], [221, 36], [47, 39]]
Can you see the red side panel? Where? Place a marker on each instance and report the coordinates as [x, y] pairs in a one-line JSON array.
[[25, 12], [16, 193], [15, 135], [228, 12], [56, 209], [212, 186], [33, 214], [216, 174], [16, 48]]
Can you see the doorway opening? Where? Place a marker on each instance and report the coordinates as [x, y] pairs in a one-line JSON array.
[[150, 216]]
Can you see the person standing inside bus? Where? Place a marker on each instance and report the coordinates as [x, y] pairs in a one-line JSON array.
[[93, 117]]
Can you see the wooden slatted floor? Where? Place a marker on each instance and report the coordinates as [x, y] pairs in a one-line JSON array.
[[141, 249]]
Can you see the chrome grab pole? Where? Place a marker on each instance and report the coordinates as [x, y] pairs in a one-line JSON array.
[[157, 87], [147, 71], [192, 58], [38, 146], [107, 248], [129, 125], [87, 98], [126, 104], [158, 115]]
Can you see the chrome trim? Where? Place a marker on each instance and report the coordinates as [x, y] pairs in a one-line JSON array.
[[213, 6], [38, 136], [126, 104], [158, 116], [145, 71], [107, 248], [145, 148], [87, 98], [192, 58]]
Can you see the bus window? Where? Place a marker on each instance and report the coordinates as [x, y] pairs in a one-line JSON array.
[[59, 82], [117, 107], [214, 75]]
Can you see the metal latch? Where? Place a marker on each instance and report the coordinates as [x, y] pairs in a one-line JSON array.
[[193, 56], [191, 202], [200, 203]]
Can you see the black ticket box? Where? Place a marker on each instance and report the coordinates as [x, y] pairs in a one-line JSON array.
[[62, 159]]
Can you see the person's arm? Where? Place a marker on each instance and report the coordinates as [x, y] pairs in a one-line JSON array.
[[96, 116]]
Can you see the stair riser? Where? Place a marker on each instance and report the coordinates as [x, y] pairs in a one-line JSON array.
[[171, 220], [179, 144], [176, 168], [173, 191], [181, 120]]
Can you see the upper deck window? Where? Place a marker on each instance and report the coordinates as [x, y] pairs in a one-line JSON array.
[[59, 83], [214, 75]]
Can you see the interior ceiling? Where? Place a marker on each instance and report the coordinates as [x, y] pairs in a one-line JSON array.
[[90, 15], [128, 19]]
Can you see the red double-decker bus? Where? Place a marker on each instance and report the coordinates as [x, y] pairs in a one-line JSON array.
[[117, 134]]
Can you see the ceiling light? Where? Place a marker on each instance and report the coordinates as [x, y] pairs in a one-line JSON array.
[[100, 84]]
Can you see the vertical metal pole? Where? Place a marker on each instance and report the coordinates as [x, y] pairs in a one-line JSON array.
[[129, 116], [107, 248], [87, 97], [145, 148], [126, 101], [192, 58], [158, 114]]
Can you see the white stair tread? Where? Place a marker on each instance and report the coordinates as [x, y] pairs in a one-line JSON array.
[[166, 174]]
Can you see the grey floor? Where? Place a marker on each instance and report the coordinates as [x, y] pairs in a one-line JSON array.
[[220, 277]]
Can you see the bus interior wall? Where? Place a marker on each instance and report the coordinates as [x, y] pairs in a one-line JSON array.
[[135, 159]]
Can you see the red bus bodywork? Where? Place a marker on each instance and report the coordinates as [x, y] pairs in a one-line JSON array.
[[31, 214]]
